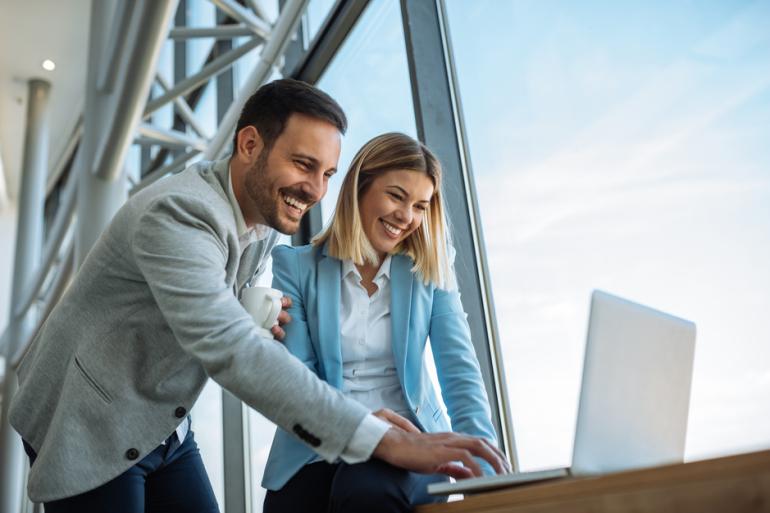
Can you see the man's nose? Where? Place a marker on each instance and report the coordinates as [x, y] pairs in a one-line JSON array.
[[314, 187]]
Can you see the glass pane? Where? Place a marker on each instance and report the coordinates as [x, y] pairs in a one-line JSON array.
[[623, 146], [261, 430], [207, 425], [315, 15], [370, 72]]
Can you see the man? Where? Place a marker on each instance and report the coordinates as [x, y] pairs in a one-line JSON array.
[[153, 313]]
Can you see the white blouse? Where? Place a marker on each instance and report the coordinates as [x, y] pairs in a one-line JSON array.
[[368, 368]]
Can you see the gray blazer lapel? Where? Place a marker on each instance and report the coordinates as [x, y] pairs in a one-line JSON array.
[[328, 304], [400, 308]]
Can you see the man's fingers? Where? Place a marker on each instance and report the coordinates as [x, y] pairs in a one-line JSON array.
[[478, 447], [285, 302], [284, 317], [454, 470], [278, 332], [464, 457]]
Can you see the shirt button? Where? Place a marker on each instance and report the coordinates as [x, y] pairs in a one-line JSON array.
[[132, 454], [180, 412]]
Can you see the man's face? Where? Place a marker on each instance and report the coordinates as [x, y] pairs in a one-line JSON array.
[[293, 175]]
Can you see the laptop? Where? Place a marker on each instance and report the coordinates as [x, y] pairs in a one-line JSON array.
[[634, 398]]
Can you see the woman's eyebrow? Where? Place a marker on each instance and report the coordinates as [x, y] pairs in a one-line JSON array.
[[405, 193]]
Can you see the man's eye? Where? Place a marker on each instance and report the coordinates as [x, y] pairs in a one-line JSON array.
[[302, 164]]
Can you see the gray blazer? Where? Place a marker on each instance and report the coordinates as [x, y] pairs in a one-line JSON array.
[[150, 316]]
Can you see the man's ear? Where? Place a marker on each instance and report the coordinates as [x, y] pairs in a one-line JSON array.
[[248, 144]]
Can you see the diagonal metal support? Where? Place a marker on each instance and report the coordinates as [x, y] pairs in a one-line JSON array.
[[152, 25], [258, 9], [118, 34], [208, 71], [184, 110], [243, 15], [218, 32], [169, 138]]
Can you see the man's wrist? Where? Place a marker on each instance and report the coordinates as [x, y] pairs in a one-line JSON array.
[[366, 438]]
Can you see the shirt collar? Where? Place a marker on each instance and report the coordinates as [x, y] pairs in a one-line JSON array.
[[383, 272], [259, 231]]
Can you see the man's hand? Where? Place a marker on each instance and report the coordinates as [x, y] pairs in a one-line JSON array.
[[444, 453], [283, 318]]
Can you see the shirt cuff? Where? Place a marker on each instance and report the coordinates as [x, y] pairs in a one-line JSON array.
[[365, 439]]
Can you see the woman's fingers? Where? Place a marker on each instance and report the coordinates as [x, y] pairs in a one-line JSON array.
[[397, 420]]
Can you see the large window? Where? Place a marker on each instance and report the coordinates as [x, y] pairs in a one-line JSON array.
[[369, 77], [623, 146]]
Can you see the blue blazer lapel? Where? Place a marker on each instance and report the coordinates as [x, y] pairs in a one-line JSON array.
[[328, 299], [400, 308]]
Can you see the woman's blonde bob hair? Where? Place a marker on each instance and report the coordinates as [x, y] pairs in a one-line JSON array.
[[427, 246]]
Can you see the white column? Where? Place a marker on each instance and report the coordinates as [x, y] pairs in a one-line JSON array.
[[29, 243]]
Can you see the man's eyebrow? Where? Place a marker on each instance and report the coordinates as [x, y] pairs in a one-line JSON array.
[[306, 157]]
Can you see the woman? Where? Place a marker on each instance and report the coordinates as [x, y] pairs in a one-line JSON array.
[[367, 294]]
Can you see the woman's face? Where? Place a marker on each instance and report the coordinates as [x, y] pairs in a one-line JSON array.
[[393, 207]]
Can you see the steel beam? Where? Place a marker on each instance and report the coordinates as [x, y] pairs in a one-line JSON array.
[[258, 9], [57, 233], [330, 37], [29, 242], [169, 138], [97, 199], [218, 32], [439, 125], [243, 15], [204, 75], [184, 110], [118, 34], [282, 32], [153, 18]]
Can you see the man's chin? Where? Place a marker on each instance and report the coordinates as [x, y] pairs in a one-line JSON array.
[[286, 226]]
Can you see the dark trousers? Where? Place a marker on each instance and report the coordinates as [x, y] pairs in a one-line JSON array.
[[171, 479], [371, 487]]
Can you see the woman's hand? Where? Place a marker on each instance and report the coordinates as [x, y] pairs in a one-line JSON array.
[[396, 420], [283, 318]]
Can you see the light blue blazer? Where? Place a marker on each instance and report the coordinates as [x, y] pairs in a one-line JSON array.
[[312, 280]]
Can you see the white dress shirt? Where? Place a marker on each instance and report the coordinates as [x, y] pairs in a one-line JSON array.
[[368, 368]]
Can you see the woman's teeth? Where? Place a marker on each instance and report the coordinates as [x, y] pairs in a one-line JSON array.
[[392, 229]]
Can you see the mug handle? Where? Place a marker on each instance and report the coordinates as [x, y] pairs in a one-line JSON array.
[[275, 309]]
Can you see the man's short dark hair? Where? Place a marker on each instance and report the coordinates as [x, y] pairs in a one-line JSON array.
[[270, 107]]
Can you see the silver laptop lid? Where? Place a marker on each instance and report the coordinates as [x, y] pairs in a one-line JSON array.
[[635, 395]]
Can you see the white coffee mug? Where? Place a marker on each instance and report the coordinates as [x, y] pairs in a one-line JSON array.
[[264, 305]]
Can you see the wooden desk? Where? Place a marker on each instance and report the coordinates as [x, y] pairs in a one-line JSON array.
[[735, 484]]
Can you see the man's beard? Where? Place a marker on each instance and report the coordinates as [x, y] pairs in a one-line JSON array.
[[259, 190]]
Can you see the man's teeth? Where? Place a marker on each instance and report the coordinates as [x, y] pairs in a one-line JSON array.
[[392, 229], [294, 203]]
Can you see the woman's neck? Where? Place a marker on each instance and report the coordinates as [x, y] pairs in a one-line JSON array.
[[369, 270]]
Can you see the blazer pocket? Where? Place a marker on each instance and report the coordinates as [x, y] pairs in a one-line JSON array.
[[92, 382]]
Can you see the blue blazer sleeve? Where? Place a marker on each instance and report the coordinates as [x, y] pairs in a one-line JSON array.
[[462, 387], [286, 278]]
